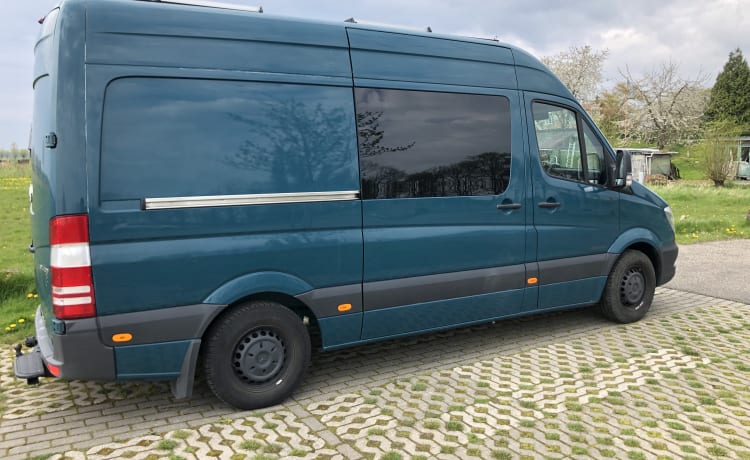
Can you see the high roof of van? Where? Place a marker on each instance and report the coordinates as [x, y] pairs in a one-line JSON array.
[[146, 32]]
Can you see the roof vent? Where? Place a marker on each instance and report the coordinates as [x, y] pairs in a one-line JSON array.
[[224, 6], [391, 26]]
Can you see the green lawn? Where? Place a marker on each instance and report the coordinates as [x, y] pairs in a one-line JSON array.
[[17, 302], [691, 167], [702, 213]]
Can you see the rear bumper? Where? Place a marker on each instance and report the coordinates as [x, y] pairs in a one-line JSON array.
[[667, 269], [79, 353]]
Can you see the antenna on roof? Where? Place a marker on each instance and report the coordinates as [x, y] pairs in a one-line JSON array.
[[224, 6], [392, 26]]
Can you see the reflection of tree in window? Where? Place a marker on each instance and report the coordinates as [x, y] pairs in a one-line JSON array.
[[300, 142], [371, 136], [483, 174], [425, 144]]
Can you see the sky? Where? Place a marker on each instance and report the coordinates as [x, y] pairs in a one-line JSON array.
[[640, 34]]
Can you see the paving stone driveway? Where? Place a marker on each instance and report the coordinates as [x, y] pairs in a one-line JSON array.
[[675, 385]]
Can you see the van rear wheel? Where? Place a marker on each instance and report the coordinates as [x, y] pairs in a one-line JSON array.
[[256, 355], [630, 288]]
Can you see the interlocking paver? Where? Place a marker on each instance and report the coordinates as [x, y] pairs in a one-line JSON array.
[[560, 385]]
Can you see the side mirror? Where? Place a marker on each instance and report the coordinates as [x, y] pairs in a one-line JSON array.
[[623, 170]]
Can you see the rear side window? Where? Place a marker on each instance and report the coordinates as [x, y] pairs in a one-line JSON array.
[[182, 138], [429, 144]]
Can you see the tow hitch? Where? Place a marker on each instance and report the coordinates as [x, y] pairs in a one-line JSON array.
[[29, 366]]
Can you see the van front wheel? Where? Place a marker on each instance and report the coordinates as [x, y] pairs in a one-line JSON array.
[[630, 288], [256, 355]]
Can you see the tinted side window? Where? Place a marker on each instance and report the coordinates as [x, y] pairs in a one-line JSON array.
[[427, 144], [172, 138]]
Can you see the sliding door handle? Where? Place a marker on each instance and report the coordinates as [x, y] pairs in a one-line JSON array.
[[549, 204]]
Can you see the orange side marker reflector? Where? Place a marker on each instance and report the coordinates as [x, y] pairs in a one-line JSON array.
[[123, 337], [345, 307], [532, 280]]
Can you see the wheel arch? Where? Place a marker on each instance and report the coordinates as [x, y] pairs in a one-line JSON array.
[[642, 240], [303, 311], [650, 252], [278, 287]]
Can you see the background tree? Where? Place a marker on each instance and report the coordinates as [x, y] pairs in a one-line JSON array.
[[717, 149], [730, 96], [580, 69], [614, 115], [666, 107]]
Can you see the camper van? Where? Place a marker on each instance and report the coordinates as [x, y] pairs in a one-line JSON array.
[[214, 181]]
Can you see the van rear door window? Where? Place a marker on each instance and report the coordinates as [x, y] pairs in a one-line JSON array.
[[431, 144]]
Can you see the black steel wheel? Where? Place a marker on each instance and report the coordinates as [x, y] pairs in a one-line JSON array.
[[630, 288], [256, 355], [259, 356]]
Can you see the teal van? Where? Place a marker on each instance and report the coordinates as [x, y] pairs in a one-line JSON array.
[[222, 189]]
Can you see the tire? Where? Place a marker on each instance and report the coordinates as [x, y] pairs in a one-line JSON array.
[[630, 288], [256, 355]]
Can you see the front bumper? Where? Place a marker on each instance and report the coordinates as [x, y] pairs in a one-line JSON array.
[[667, 268]]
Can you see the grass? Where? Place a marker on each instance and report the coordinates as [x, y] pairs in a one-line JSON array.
[[703, 212], [17, 301], [690, 166]]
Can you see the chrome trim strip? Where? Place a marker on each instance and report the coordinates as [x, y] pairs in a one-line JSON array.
[[240, 200], [221, 5]]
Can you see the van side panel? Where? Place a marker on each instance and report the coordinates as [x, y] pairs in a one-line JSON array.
[[409, 58], [224, 105], [162, 35], [254, 138]]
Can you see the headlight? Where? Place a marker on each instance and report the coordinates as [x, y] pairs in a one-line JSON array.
[[670, 217]]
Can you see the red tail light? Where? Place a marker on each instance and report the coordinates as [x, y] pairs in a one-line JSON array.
[[54, 370], [70, 267]]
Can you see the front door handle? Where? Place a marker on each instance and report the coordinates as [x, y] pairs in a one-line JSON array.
[[509, 206], [549, 204]]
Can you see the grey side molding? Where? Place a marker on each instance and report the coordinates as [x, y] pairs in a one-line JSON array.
[[182, 388]]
